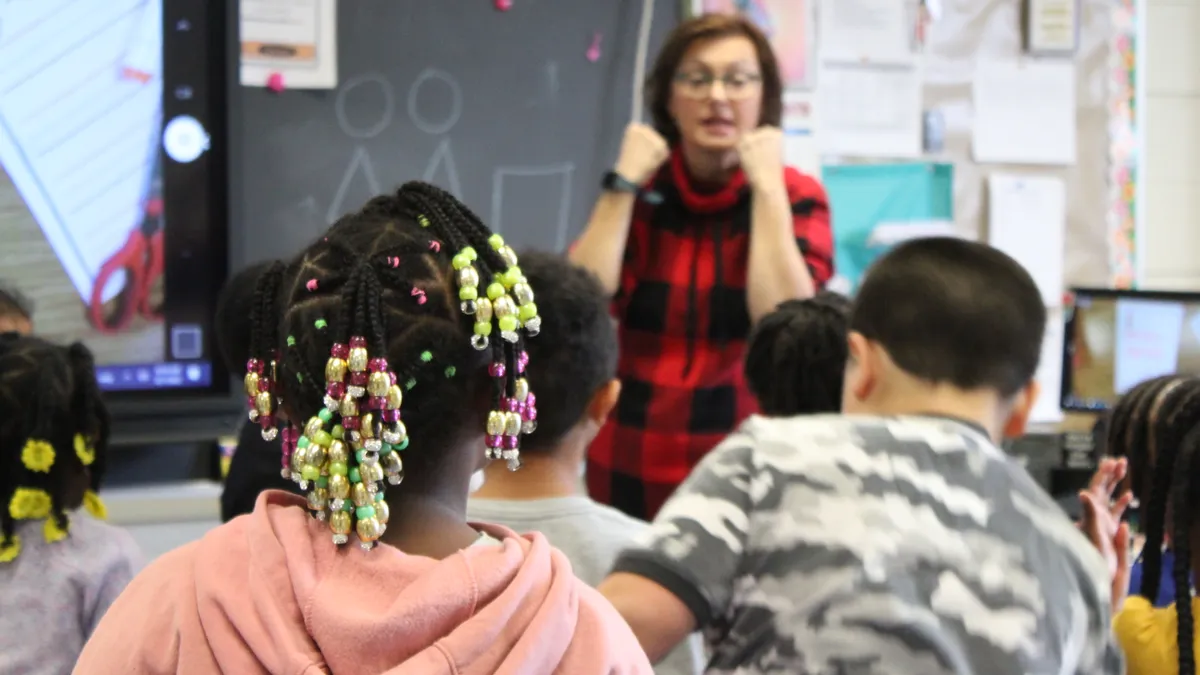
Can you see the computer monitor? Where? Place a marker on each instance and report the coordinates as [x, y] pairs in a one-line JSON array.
[[1115, 339], [114, 183]]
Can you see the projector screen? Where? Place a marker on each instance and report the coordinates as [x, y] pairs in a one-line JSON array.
[[113, 207]]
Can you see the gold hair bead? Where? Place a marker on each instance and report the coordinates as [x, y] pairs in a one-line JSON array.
[[318, 499], [378, 384], [382, 512], [483, 310], [335, 370], [468, 276], [361, 495], [338, 453], [495, 423], [395, 397], [368, 426], [339, 487], [262, 402], [521, 390], [371, 473], [504, 306], [339, 522], [368, 529], [314, 426], [251, 382], [348, 406], [358, 359], [523, 293], [317, 456], [512, 424]]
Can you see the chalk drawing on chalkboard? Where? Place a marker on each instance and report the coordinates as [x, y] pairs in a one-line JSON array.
[[443, 157], [385, 115], [359, 163], [427, 125], [562, 172]]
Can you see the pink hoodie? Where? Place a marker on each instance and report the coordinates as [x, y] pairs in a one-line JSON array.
[[269, 593]]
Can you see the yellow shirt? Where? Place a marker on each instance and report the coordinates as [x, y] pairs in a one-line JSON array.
[[1147, 636]]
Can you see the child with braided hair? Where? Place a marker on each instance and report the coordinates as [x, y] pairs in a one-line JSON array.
[[796, 357], [392, 369], [1166, 414], [60, 565]]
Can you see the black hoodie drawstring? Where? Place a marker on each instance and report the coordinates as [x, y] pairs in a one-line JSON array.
[[692, 299]]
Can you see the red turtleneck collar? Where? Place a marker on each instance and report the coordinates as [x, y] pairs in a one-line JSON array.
[[705, 202]]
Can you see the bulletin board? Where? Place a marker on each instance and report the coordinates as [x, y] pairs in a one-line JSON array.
[[968, 32]]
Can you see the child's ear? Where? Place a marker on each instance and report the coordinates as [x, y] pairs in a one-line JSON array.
[[603, 401], [1022, 406]]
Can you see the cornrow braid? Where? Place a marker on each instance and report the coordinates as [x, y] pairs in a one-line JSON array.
[[385, 310], [54, 427], [1172, 413], [262, 367], [1185, 500], [1127, 415], [796, 356]]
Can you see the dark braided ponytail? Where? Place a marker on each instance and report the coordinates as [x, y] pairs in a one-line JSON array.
[[797, 354], [384, 315], [1185, 500], [53, 433], [1174, 412]]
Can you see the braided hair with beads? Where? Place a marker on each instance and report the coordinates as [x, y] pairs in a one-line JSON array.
[[385, 314], [54, 430]]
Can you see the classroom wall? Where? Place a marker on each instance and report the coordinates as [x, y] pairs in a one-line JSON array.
[[1171, 167]]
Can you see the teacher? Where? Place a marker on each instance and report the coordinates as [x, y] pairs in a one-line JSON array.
[[700, 230]]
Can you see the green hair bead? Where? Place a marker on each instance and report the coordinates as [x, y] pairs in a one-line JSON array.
[[321, 324], [450, 371], [426, 356]]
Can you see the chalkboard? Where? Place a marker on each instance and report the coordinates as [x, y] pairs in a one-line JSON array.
[[503, 108]]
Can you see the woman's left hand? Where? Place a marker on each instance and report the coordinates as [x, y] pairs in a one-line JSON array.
[[761, 153]]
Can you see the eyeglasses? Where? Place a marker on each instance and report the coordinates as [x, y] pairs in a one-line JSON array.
[[737, 86]]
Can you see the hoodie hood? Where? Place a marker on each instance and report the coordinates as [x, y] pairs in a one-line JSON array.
[[269, 592]]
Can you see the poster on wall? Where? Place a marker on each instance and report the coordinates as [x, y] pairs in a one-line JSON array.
[[877, 206], [790, 25]]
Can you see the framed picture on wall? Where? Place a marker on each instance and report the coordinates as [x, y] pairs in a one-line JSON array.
[[790, 25], [1051, 27]]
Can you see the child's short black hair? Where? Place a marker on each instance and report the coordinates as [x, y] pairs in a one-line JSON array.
[[796, 357], [954, 311], [54, 430], [576, 352], [234, 307]]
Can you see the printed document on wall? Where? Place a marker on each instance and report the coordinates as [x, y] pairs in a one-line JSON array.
[[1047, 409], [1027, 219], [293, 38], [1024, 112], [866, 110], [865, 31]]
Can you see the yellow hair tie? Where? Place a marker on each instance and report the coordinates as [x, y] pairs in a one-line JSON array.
[[29, 504], [85, 452], [37, 455], [9, 549], [94, 506], [52, 532]]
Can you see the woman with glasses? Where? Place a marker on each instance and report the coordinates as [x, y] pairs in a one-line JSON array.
[[700, 231]]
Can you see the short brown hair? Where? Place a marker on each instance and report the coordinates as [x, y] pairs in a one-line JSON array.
[[709, 27]]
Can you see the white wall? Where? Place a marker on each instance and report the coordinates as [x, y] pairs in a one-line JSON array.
[[1172, 145]]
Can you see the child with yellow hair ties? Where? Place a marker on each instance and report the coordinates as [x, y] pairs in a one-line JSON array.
[[61, 566]]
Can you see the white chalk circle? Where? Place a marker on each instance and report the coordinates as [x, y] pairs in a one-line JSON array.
[[385, 116], [429, 126]]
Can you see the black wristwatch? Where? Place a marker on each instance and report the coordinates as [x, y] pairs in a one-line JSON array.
[[615, 182]]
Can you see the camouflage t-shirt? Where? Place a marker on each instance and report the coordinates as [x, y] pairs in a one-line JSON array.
[[838, 545]]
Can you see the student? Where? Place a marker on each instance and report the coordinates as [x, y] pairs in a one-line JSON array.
[[1129, 436], [394, 366], [797, 356], [898, 538], [1162, 641], [573, 363], [255, 465], [16, 311], [60, 565]]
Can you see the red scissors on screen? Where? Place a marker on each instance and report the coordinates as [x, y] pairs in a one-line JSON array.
[[141, 258]]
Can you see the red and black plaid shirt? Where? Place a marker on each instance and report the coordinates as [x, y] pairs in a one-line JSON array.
[[683, 327]]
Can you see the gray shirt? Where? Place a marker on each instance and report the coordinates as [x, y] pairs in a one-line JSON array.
[[590, 535], [913, 546], [53, 594]]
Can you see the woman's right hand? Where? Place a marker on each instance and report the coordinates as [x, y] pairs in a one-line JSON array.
[[643, 151]]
